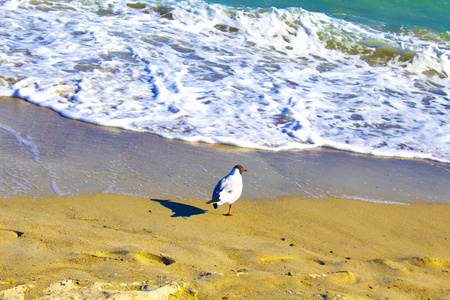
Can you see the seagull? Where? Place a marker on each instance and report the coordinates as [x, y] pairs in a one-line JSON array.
[[228, 189]]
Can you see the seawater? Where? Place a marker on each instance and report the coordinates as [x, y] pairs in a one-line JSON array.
[[398, 15], [367, 76]]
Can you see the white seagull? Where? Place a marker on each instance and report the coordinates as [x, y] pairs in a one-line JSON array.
[[228, 189]]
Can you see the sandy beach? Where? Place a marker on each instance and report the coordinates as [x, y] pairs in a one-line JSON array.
[[119, 118], [88, 212], [98, 245]]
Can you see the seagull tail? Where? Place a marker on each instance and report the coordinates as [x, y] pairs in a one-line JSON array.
[[214, 202]]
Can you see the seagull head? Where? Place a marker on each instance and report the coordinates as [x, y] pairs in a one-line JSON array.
[[240, 168]]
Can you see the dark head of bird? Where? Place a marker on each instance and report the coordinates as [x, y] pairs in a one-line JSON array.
[[240, 168]]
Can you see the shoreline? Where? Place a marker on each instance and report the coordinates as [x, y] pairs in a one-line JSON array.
[[108, 244], [46, 154]]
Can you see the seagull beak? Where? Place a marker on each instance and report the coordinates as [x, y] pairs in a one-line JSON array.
[[244, 170]]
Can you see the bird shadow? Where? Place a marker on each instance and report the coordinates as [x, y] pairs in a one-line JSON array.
[[180, 209]]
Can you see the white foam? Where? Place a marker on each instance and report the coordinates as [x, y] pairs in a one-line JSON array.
[[27, 141], [375, 200], [34, 150], [214, 74]]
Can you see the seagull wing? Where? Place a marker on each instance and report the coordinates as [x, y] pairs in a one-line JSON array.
[[222, 188]]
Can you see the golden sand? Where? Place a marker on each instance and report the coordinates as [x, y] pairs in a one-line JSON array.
[[128, 247]]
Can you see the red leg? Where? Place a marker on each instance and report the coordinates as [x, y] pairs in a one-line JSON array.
[[228, 214]]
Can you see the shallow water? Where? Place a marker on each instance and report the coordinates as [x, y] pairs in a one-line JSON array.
[[260, 77], [44, 154]]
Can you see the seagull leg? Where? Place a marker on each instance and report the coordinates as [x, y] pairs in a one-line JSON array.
[[228, 214]]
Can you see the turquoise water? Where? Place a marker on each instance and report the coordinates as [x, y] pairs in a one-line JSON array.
[[396, 14]]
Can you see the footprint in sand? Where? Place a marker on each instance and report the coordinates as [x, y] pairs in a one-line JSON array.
[[386, 266], [8, 235], [334, 278], [139, 256], [281, 258], [341, 277], [425, 262]]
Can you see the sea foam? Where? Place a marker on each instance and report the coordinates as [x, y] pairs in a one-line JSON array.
[[270, 79]]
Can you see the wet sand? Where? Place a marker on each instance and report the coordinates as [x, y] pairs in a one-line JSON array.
[[69, 226], [44, 154], [292, 248]]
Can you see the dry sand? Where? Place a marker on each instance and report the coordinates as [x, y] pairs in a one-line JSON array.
[[105, 245]]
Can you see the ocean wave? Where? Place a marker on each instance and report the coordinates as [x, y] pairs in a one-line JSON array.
[[261, 78]]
